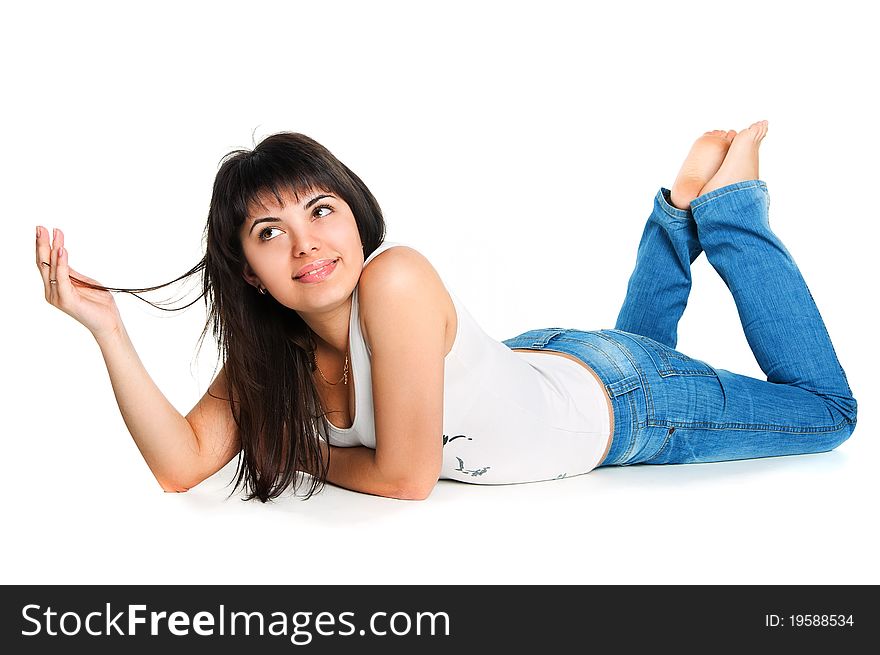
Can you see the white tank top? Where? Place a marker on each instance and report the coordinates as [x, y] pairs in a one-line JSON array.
[[507, 416]]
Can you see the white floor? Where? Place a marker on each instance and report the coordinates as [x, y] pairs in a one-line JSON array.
[[801, 519]]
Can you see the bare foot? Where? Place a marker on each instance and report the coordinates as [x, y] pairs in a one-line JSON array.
[[701, 164], [741, 162]]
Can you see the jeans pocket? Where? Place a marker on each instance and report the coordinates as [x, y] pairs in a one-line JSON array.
[[669, 361], [689, 392]]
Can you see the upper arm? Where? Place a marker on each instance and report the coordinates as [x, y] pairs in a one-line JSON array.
[[216, 432], [401, 297]]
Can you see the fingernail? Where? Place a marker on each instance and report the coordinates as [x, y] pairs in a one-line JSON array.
[[60, 252], [38, 231]]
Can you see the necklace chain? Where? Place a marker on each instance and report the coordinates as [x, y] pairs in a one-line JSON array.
[[344, 370]]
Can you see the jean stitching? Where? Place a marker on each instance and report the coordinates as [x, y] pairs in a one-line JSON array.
[[751, 427], [628, 397], [833, 351], [649, 405], [649, 400], [702, 368], [666, 207], [666, 441], [721, 195]]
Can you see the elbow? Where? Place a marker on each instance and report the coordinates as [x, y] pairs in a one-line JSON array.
[[173, 486], [169, 488], [180, 483], [415, 491]]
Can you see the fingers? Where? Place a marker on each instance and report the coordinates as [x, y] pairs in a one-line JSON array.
[[53, 268], [52, 290], [54, 265], [43, 255], [62, 277]]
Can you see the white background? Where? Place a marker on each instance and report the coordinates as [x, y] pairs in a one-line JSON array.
[[497, 136]]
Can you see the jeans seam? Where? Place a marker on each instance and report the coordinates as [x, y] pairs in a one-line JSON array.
[[649, 400], [669, 433], [634, 423], [666, 205], [750, 427], [695, 204], [833, 350], [649, 406], [703, 369]]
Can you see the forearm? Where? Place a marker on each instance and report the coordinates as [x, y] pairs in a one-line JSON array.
[[355, 468], [164, 436]]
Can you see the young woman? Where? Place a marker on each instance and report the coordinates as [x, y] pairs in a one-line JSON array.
[[346, 358]]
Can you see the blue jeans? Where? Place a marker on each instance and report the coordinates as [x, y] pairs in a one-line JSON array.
[[673, 409]]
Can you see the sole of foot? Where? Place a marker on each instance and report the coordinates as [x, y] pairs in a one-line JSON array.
[[702, 162], [741, 162]]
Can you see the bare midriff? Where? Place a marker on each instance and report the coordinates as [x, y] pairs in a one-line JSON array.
[[601, 386]]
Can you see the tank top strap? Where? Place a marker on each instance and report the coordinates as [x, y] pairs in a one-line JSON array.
[[385, 245]]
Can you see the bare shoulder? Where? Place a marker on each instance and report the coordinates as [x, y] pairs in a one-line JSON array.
[[397, 259], [397, 281], [399, 268]]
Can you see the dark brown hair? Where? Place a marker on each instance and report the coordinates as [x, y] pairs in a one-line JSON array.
[[267, 348]]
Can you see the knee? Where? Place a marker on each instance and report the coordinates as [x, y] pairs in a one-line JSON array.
[[852, 410], [846, 408], [845, 432]]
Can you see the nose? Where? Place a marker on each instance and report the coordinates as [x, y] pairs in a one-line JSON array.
[[303, 243]]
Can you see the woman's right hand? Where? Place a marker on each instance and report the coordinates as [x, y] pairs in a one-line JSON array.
[[94, 308]]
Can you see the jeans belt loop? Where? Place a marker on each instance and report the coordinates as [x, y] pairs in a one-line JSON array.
[[545, 339]]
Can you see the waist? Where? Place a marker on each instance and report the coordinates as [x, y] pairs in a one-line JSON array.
[[599, 381]]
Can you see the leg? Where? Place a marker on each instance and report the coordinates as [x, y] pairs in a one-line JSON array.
[[703, 414], [779, 316], [697, 413], [658, 289]]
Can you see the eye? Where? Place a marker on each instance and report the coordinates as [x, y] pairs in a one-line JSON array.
[[263, 231], [323, 207]]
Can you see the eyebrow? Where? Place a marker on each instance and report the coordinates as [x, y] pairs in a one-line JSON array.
[[273, 219]]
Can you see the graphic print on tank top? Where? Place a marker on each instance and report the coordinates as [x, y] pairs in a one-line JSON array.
[[461, 468]]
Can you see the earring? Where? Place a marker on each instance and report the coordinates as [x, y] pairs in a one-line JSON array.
[[262, 291]]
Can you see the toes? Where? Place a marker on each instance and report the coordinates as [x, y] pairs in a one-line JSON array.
[[755, 131], [760, 129]]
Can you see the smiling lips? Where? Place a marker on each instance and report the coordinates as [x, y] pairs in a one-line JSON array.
[[308, 268], [317, 271]]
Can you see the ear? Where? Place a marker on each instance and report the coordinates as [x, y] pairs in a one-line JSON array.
[[251, 277]]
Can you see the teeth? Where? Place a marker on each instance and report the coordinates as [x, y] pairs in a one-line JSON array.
[[316, 270]]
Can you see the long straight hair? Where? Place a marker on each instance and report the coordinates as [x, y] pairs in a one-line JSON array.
[[267, 348]]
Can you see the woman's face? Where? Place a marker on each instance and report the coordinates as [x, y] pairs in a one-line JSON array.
[[279, 241]]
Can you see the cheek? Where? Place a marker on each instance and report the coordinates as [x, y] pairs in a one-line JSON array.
[[263, 261]]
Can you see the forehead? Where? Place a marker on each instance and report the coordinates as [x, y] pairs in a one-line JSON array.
[[267, 200]]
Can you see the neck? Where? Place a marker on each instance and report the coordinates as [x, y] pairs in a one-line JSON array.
[[331, 331]]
